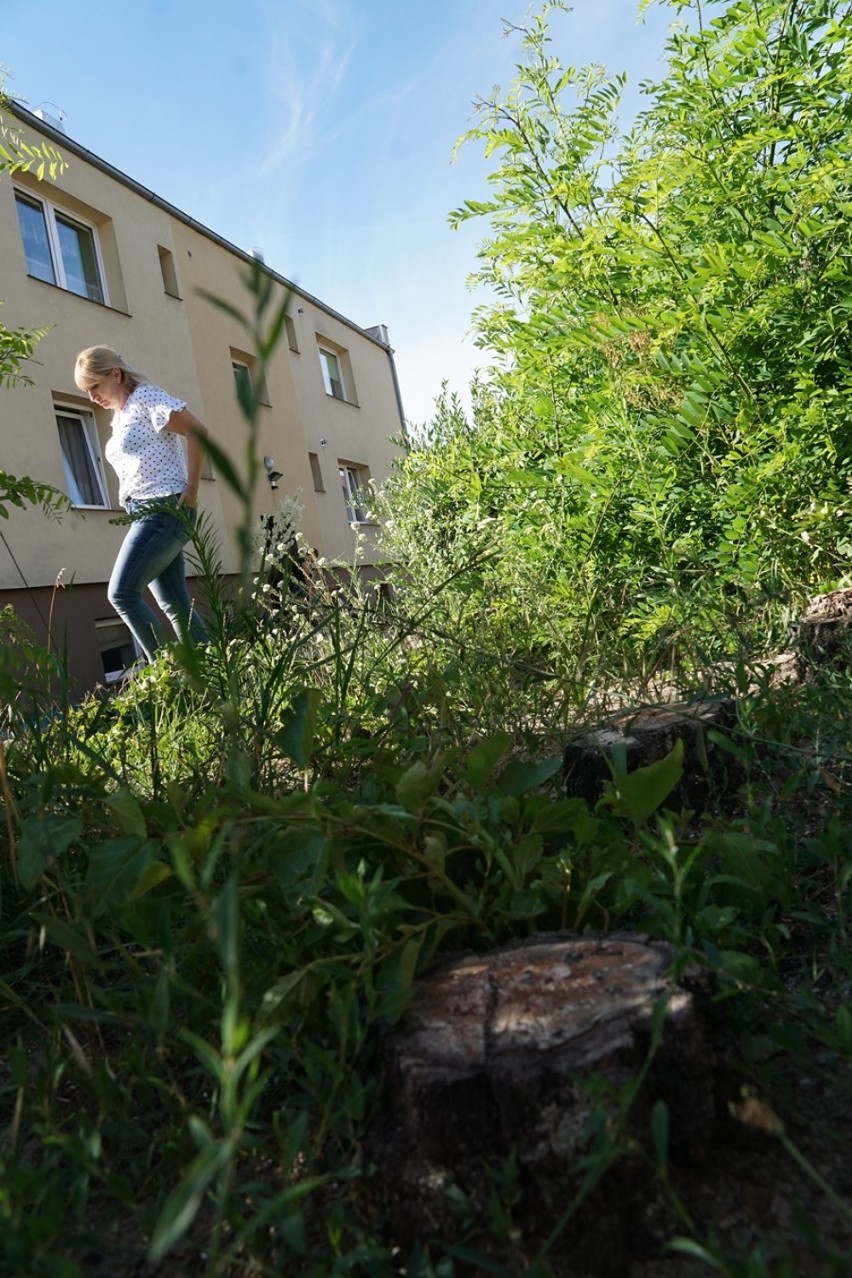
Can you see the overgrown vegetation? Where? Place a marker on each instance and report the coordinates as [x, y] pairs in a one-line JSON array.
[[218, 883], [660, 457]]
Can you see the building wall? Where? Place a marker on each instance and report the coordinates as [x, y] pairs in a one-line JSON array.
[[156, 261], [67, 619]]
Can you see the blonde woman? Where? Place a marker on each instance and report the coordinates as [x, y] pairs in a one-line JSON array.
[[158, 486]]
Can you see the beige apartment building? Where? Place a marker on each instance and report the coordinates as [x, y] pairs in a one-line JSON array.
[[101, 259]]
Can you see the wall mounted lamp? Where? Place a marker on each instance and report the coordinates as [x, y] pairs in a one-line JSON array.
[[272, 474]]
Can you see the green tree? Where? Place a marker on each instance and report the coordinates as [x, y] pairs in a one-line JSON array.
[[663, 440]]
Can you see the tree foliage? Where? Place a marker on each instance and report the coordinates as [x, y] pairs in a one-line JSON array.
[[663, 440]]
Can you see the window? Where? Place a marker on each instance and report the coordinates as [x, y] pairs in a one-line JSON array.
[[59, 249], [115, 644], [248, 379], [291, 334], [353, 494], [332, 373], [168, 272], [81, 456], [336, 369], [242, 381], [316, 472]]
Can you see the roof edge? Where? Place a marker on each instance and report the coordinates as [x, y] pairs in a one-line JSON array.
[[68, 144]]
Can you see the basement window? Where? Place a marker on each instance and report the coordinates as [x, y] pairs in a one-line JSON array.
[[115, 644]]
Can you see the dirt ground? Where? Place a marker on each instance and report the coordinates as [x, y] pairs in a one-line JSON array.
[[752, 1193]]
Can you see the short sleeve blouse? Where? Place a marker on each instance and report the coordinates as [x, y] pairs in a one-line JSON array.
[[148, 459]]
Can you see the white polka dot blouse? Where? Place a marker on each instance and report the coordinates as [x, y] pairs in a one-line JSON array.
[[148, 459]]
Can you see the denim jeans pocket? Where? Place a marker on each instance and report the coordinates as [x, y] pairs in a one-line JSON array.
[[184, 520]]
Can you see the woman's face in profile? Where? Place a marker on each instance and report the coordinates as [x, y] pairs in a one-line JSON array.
[[106, 391]]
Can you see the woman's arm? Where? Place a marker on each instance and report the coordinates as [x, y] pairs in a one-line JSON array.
[[187, 424]]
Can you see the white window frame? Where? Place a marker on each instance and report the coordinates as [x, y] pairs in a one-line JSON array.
[[50, 213], [92, 443], [114, 627], [351, 479], [326, 354]]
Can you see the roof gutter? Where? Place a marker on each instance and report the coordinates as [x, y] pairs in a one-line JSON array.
[[68, 144]]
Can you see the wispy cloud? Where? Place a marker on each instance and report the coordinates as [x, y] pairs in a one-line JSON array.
[[308, 58]]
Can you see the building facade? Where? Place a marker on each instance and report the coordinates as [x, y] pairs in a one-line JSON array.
[[100, 259]]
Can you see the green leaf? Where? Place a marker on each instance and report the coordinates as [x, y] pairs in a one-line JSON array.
[[182, 1204], [41, 841], [206, 1053], [273, 334], [225, 307], [127, 811], [526, 905], [418, 783], [520, 776], [484, 756], [639, 793], [396, 979], [67, 938], [526, 854], [689, 1247], [150, 878], [225, 467], [562, 816], [259, 1040], [298, 735], [280, 993], [299, 859], [115, 868], [226, 914]]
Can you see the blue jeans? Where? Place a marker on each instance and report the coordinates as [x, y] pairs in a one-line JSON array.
[[152, 555]]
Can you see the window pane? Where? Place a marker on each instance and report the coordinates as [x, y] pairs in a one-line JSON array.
[[243, 383], [331, 374], [77, 246], [34, 235], [351, 484], [84, 487], [116, 648]]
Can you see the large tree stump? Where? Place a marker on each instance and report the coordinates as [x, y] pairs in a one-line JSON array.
[[648, 734], [496, 1056], [824, 633]]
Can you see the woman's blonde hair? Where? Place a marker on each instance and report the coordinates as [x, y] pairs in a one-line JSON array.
[[96, 361]]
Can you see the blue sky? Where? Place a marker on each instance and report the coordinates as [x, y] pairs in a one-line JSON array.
[[319, 131]]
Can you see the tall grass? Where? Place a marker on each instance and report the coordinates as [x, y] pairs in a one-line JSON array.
[[215, 889], [219, 882]]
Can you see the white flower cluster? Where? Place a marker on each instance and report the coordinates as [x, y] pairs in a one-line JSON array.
[[275, 533]]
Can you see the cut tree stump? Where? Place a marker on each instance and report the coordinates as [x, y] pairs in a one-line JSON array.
[[501, 1056], [824, 633], [648, 734]]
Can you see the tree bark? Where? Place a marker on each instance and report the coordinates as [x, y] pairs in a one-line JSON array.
[[498, 1074]]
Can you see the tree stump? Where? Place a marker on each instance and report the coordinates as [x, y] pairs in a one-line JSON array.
[[501, 1056], [824, 633], [648, 734]]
